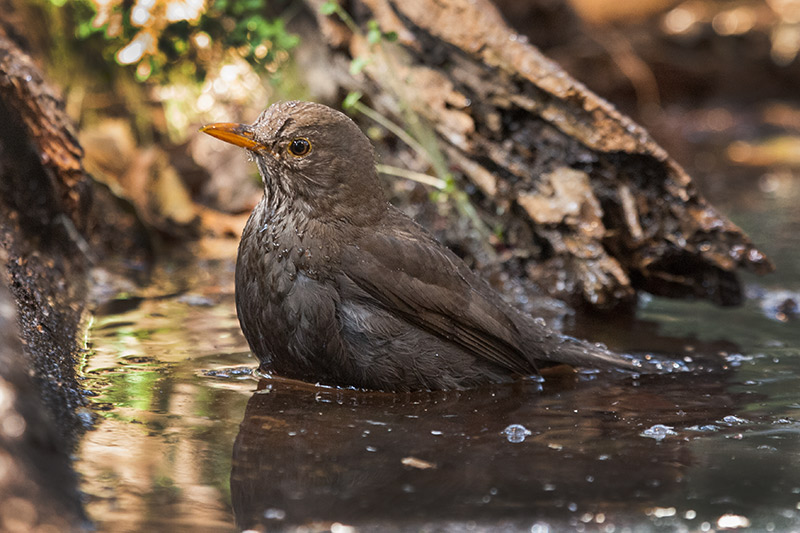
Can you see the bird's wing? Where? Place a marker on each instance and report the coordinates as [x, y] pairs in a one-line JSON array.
[[405, 270]]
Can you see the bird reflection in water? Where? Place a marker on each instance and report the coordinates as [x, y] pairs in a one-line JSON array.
[[307, 454]]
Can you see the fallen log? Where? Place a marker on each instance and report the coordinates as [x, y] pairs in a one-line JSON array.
[[609, 212]]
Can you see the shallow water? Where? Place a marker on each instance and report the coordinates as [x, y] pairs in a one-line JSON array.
[[187, 439]]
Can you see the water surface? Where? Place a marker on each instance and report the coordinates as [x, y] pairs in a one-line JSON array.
[[188, 440]]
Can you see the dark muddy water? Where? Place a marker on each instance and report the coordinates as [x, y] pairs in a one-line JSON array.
[[188, 440]]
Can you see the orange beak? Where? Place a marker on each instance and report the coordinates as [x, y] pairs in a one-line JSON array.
[[230, 132]]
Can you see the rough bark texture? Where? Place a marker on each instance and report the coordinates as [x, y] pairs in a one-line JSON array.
[[610, 213], [37, 487], [42, 189], [56, 224]]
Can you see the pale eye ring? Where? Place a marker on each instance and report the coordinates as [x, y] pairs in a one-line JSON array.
[[299, 147]]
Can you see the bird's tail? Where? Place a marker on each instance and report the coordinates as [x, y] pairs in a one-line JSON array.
[[549, 347]]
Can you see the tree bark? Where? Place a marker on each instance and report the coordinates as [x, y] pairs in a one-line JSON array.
[[609, 211]]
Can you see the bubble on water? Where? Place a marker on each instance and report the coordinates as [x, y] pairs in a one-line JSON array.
[[658, 432], [662, 512], [732, 521], [274, 514], [703, 428], [732, 419], [517, 433], [737, 358]]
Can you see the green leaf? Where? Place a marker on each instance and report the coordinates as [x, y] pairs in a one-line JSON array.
[[328, 8], [351, 99], [358, 64], [374, 36]]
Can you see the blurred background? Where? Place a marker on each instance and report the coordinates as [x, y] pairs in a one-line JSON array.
[[714, 81]]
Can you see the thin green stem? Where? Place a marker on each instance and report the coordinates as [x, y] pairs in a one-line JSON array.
[[348, 20], [419, 177], [399, 132]]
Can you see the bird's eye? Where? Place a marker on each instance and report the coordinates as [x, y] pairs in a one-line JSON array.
[[299, 147]]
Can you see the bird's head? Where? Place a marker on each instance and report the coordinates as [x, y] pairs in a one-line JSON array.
[[313, 157]]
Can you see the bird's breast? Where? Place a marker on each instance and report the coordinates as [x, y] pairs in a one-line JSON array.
[[277, 247]]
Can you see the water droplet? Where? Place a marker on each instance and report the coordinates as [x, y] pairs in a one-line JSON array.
[[731, 419], [517, 433], [703, 428], [662, 512], [658, 432], [274, 514], [732, 521]]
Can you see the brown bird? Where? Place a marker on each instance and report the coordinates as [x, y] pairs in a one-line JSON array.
[[335, 285]]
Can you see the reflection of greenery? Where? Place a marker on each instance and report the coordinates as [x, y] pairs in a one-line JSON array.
[[136, 389], [162, 37], [164, 490]]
